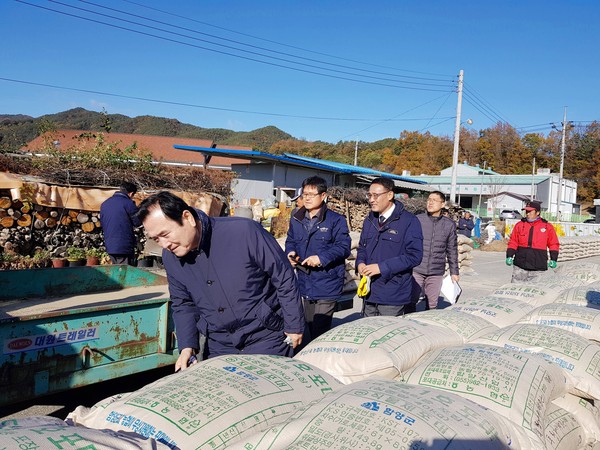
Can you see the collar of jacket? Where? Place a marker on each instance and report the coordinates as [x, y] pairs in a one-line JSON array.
[[399, 209], [434, 217], [299, 215], [524, 219]]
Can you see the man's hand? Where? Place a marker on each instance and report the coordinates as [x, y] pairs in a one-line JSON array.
[[295, 338], [312, 261], [455, 278], [369, 270], [185, 356], [293, 258], [552, 264], [509, 261]]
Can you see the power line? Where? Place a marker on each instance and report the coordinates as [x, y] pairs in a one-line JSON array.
[[472, 99], [191, 105], [243, 43], [472, 103], [478, 96], [280, 43], [240, 56], [394, 118]]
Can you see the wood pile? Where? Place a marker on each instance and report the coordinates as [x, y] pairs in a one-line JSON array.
[[25, 226]]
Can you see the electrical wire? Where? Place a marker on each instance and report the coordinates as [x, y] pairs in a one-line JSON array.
[[482, 107], [214, 108], [489, 107], [279, 43], [246, 44], [394, 118], [240, 56]]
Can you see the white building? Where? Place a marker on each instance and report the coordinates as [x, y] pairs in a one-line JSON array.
[[487, 191]]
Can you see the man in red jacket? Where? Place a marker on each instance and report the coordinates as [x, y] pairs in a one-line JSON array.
[[529, 243]]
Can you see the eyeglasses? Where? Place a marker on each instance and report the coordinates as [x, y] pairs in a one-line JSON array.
[[433, 200], [309, 196], [375, 195]]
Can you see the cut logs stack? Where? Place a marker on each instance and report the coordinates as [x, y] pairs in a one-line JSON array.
[[25, 226]]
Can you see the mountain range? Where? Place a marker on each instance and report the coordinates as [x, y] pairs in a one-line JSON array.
[[17, 129]]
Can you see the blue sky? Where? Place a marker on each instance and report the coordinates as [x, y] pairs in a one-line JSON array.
[[391, 65]]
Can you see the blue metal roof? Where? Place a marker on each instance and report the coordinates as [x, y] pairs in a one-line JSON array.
[[296, 160]]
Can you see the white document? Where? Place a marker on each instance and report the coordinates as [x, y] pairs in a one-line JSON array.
[[450, 289]]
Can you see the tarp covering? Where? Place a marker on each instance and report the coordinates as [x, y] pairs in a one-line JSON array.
[[89, 198]]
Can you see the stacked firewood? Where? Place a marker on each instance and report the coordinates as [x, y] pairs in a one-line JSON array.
[[25, 226]]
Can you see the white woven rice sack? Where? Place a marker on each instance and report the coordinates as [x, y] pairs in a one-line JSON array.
[[586, 414], [586, 295], [580, 320], [553, 280], [383, 414], [496, 310], [467, 326], [383, 345], [585, 271], [515, 385], [563, 431], [534, 294], [578, 356], [213, 403], [42, 432]]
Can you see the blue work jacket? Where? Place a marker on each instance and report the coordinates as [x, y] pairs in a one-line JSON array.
[[329, 239], [396, 247], [118, 219], [238, 289]]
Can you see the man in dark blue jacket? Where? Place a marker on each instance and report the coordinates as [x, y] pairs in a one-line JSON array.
[[391, 244], [228, 279], [118, 219], [317, 244]]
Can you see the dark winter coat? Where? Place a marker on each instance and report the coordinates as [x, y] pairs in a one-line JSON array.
[[397, 247], [118, 220], [329, 239], [239, 290], [530, 242], [439, 244], [465, 226]]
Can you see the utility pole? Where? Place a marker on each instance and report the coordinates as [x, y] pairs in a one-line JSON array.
[[481, 189], [532, 179], [562, 165], [456, 138], [356, 154]]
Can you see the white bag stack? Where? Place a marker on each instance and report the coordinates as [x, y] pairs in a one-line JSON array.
[[383, 346], [213, 403]]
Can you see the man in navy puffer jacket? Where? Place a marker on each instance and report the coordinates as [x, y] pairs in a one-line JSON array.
[[391, 245], [318, 240], [118, 219]]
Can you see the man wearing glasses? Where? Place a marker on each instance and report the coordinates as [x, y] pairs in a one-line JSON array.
[[391, 245], [439, 243], [317, 244]]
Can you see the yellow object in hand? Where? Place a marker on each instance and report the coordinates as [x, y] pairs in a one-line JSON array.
[[364, 286]]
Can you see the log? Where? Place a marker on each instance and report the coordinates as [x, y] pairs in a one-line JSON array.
[[54, 213], [42, 215], [65, 220], [83, 218], [26, 208], [3, 213], [7, 221], [88, 227], [5, 202], [50, 222], [24, 220], [38, 224], [73, 214]]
